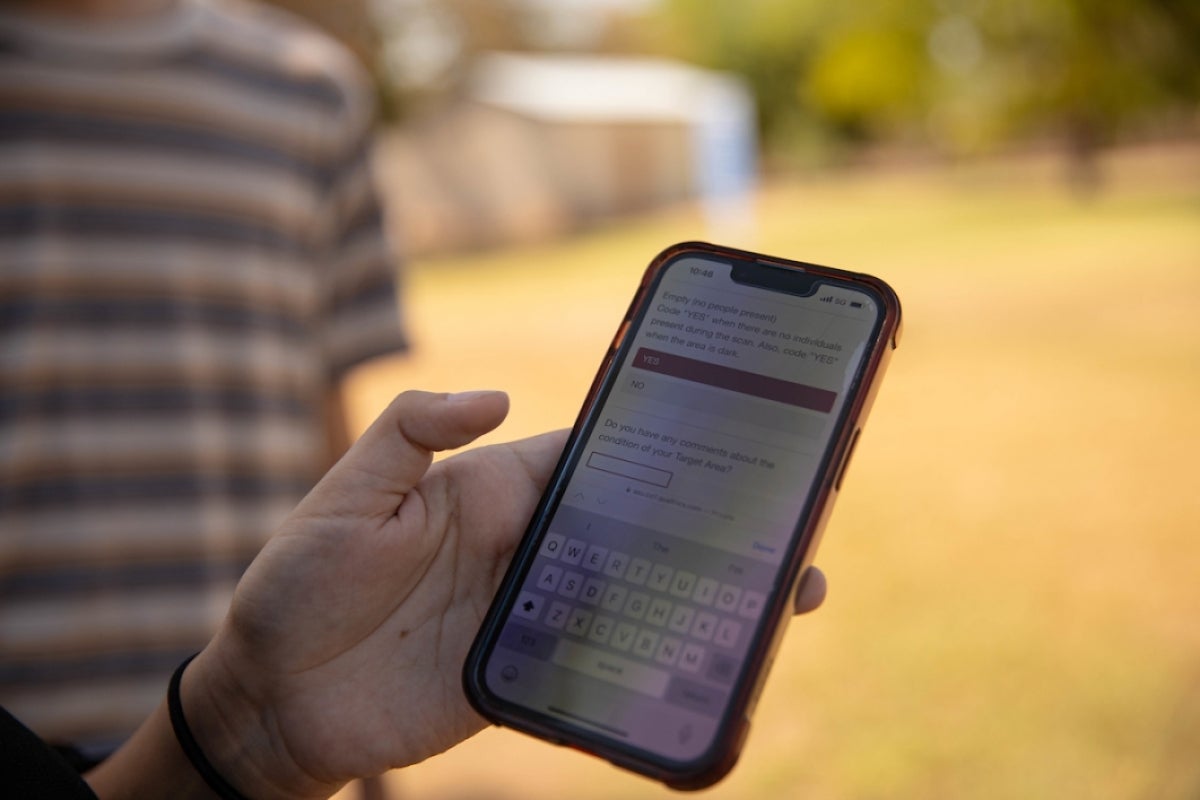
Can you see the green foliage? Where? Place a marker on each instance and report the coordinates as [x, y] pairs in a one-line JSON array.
[[963, 75], [766, 41], [867, 80]]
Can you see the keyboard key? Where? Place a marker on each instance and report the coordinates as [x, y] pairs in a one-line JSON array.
[[529, 606], [538, 644], [616, 565], [552, 545], [573, 552], [684, 584], [614, 598], [602, 628], [623, 636], [705, 626], [595, 558], [659, 612], [646, 643], [728, 597], [556, 617], [691, 657], [722, 668], [636, 605], [660, 578], [579, 621], [668, 650], [706, 591], [752, 604], [570, 585], [593, 590], [639, 570], [551, 575], [681, 619], [611, 667], [695, 696], [728, 632]]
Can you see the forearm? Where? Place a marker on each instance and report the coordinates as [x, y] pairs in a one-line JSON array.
[[150, 765]]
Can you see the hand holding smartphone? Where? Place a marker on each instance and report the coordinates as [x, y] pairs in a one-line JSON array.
[[643, 607]]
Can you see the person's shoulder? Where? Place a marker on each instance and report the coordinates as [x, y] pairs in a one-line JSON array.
[[284, 47]]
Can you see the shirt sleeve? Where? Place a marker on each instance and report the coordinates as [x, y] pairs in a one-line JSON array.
[[363, 304], [31, 769]]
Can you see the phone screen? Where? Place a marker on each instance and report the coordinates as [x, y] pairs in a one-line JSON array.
[[634, 620]]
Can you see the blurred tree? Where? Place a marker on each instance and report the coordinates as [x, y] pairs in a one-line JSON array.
[[769, 42], [1090, 71], [869, 77], [962, 75], [428, 47]]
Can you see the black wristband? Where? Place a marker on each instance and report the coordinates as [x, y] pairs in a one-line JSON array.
[[186, 741]]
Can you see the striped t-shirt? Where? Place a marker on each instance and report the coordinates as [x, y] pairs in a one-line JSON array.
[[191, 254]]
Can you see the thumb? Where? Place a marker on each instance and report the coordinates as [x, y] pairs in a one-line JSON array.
[[394, 453]]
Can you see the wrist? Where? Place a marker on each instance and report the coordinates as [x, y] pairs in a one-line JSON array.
[[237, 733], [186, 740]]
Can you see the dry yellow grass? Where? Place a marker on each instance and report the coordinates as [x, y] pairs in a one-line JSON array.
[[1015, 562]]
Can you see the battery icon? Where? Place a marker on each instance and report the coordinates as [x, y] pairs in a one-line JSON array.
[[856, 304]]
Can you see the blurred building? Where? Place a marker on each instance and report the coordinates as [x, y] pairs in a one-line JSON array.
[[538, 145]]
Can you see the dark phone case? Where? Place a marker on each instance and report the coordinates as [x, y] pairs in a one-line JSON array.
[[720, 759]]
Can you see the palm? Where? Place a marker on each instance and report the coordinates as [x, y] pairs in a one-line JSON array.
[[388, 601]]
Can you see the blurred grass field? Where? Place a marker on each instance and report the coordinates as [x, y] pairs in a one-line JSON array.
[[1015, 561]]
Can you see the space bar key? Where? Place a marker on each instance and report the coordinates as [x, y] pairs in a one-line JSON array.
[[612, 668]]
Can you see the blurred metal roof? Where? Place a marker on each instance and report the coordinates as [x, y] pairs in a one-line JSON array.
[[610, 89]]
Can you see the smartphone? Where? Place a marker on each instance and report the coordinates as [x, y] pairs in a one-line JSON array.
[[642, 609]]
